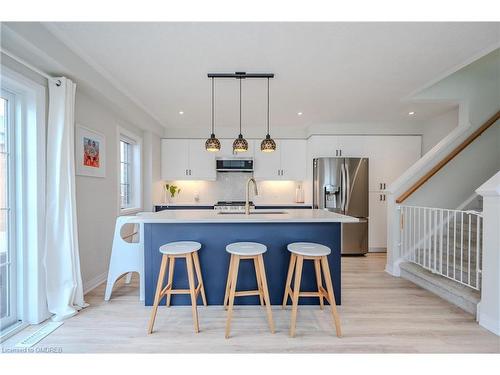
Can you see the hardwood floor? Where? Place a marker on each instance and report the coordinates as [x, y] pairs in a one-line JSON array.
[[379, 314]]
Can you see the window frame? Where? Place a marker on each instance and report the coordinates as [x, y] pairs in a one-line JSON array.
[[14, 294], [30, 167], [135, 171]]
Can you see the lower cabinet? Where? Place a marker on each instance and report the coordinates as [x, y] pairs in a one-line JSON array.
[[377, 224]]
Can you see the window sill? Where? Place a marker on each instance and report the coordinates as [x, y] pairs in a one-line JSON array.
[[130, 211]]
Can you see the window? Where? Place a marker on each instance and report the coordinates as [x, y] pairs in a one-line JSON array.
[[130, 172], [8, 265], [125, 174]]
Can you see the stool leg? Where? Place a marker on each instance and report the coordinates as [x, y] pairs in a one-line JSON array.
[[197, 268], [331, 295], [228, 282], [296, 291], [234, 278], [291, 266], [317, 269], [192, 290], [159, 286], [259, 280], [170, 280], [263, 278]]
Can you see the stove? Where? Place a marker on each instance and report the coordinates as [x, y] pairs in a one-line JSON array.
[[231, 206]]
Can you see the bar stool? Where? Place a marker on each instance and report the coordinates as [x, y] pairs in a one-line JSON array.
[[242, 251], [301, 251], [171, 251]]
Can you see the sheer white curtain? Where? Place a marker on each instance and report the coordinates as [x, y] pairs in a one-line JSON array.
[[62, 262]]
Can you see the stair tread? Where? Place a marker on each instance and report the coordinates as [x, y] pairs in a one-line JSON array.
[[450, 286]]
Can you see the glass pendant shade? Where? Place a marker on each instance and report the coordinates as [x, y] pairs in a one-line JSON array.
[[240, 144], [268, 144], [212, 144]]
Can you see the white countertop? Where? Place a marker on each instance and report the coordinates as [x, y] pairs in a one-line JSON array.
[[264, 216]]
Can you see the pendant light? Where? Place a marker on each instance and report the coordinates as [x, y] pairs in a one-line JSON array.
[[240, 144], [268, 144], [212, 144]]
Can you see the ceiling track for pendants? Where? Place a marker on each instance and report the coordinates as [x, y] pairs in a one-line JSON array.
[[240, 75]]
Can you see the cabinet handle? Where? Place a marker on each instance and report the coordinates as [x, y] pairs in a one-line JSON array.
[[380, 197], [340, 152], [190, 172], [186, 172], [384, 185]]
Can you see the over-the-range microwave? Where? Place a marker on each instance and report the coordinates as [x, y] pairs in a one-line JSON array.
[[234, 165]]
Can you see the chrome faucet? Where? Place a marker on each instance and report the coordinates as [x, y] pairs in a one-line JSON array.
[[256, 192]]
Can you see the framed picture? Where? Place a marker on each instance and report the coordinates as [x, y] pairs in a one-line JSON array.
[[90, 149]]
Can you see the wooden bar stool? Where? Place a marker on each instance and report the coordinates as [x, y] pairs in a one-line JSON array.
[[301, 251], [171, 251], [241, 251]]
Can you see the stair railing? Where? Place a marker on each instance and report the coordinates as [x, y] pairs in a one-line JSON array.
[[443, 241]]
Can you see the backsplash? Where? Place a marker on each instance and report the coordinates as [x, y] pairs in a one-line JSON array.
[[232, 187]]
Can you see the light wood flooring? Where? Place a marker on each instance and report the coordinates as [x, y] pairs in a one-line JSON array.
[[379, 314]]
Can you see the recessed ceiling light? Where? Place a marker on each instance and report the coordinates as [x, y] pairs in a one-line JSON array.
[[299, 113], [181, 112], [411, 113]]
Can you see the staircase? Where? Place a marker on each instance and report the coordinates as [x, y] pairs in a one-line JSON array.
[[443, 253]]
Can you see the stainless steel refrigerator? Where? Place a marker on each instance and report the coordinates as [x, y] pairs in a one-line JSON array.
[[341, 185]]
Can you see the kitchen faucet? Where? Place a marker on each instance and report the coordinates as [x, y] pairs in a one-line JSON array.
[[256, 192]]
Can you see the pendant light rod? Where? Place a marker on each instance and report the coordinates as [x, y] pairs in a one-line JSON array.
[[240, 75], [213, 105], [240, 106], [268, 106]]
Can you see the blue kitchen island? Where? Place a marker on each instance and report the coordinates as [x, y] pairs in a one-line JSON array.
[[214, 231]]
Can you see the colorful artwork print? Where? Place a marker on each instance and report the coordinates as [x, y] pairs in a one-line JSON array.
[[90, 152]]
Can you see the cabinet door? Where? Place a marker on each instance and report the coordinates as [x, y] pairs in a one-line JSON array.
[[267, 165], [323, 146], [377, 224], [201, 161], [174, 159], [352, 146], [293, 159], [226, 149]]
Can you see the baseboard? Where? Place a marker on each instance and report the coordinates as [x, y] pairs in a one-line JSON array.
[[377, 250], [94, 283]]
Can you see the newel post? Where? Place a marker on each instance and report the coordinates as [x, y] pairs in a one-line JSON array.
[[394, 256], [489, 309]]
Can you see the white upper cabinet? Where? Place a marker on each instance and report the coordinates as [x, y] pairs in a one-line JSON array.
[[201, 161], [267, 165], [174, 159], [293, 159], [186, 159], [288, 162]]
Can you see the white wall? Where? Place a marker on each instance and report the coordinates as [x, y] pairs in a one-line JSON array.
[[458, 180], [477, 88], [437, 128], [97, 198]]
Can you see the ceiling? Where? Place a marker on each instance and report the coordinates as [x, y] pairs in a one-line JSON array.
[[331, 72]]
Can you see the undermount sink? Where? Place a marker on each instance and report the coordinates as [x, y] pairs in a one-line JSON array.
[[251, 212]]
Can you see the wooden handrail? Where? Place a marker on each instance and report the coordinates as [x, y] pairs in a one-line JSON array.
[[422, 180]]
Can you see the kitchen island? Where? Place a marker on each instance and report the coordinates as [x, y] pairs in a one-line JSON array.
[[214, 230]]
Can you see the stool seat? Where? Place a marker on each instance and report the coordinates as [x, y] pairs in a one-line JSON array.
[[309, 249], [180, 247], [246, 248]]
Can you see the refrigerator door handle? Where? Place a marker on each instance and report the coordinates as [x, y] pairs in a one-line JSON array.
[[342, 187], [348, 189]]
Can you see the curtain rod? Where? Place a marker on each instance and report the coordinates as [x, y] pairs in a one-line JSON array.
[[31, 67]]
